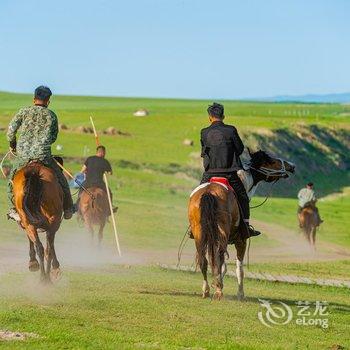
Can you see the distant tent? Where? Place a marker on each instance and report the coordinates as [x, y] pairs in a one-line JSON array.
[[141, 113]]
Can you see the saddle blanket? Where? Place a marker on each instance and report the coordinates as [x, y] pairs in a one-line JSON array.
[[218, 180]]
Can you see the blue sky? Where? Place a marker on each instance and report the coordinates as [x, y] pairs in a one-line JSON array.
[[176, 48]]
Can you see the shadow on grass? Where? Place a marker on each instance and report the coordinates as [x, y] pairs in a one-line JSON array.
[[344, 308]]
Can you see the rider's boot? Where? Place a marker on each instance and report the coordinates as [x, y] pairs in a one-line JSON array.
[[248, 230], [68, 213], [68, 207], [253, 232], [320, 221]]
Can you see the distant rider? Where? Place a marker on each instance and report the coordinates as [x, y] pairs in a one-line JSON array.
[[221, 148], [38, 127], [94, 168], [307, 198]]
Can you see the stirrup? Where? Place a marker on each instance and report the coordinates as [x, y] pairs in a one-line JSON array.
[[13, 215]]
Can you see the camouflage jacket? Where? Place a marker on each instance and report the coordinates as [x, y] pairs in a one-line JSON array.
[[38, 129]]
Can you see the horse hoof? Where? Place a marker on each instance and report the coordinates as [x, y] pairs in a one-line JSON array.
[[240, 297], [206, 294], [33, 266], [45, 280], [218, 295], [56, 274]]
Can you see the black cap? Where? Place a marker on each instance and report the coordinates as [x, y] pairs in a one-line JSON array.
[[310, 184], [42, 93], [216, 110]]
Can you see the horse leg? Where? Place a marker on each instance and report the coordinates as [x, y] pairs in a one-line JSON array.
[[240, 249], [100, 232], [48, 254], [204, 269], [55, 272], [309, 235], [306, 233], [90, 229], [40, 252], [203, 264], [313, 237], [33, 262], [33, 236], [218, 276]]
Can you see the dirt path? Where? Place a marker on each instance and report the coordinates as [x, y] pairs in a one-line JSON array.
[[263, 276], [76, 251], [292, 247]]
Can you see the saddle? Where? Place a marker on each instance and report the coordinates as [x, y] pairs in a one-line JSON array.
[[218, 180], [221, 181]]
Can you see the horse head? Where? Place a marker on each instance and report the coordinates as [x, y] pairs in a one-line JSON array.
[[268, 168]]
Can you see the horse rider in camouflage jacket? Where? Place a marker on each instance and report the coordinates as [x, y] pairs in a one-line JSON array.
[[38, 127]]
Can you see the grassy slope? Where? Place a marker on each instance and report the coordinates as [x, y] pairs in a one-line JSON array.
[[137, 308]]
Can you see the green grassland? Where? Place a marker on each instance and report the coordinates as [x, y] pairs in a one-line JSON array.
[[158, 138], [143, 307], [147, 308], [155, 142]]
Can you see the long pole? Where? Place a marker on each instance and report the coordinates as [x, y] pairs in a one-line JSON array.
[[112, 214], [73, 178], [95, 132], [108, 194]]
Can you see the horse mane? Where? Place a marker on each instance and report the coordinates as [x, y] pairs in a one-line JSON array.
[[259, 158], [33, 192]]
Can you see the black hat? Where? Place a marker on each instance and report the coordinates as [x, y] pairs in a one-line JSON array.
[[42, 93], [216, 110]]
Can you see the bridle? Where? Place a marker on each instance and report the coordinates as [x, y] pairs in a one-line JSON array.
[[272, 172], [277, 173]]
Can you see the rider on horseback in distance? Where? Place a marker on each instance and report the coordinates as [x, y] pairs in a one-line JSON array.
[[38, 128], [221, 148], [94, 168], [307, 198]]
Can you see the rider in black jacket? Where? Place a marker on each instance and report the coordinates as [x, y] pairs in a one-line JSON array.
[[221, 148]]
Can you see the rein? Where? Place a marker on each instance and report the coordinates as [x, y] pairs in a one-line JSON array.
[[266, 198], [3, 159], [2, 162], [182, 246], [75, 180], [270, 172]]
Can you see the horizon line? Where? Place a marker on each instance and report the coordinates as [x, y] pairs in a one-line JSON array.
[[266, 99]]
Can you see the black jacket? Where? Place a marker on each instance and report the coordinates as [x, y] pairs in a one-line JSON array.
[[221, 148]]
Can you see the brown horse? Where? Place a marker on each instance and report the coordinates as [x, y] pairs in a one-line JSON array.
[[38, 199], [214, 215], [308, 222], [94, 210]]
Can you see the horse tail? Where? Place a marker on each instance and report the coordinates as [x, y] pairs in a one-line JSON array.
[[211, 240], [33, 192]]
